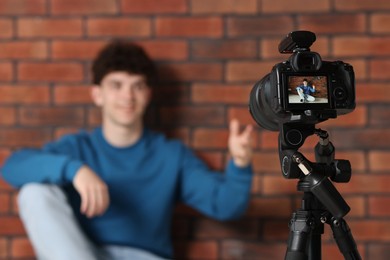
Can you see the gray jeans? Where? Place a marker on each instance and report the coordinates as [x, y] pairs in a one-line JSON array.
[[55, 232]]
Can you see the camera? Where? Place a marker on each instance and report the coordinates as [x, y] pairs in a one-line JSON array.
[[304, 89]]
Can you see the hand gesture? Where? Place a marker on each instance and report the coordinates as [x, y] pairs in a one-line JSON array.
[[93, 191], [240, 144]]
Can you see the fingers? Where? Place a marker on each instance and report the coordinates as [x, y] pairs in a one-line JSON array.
[[94, 201], [235, 130], [93, 192], [234, 127], [240, 143]]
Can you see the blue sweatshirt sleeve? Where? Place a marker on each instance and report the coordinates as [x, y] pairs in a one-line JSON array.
[[55, 163], [217, 195]]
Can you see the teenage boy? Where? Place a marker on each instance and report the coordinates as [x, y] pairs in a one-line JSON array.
[[110, 193]]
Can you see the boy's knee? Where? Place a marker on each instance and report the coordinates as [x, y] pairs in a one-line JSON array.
[[38, 194]]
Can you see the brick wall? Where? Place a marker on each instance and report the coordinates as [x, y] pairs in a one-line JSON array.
[[210, 53]]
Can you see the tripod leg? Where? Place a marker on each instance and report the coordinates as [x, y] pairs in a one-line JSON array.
[[343, 236], [298, 238]]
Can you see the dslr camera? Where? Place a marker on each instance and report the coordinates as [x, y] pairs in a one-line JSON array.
[[304, 89]]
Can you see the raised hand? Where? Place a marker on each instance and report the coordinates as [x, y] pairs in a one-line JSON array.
[[93, 191], [240, 146]]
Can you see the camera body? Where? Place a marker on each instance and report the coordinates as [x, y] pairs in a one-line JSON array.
[[303, 89]]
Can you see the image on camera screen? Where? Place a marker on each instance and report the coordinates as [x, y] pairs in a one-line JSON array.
[[307, 89]]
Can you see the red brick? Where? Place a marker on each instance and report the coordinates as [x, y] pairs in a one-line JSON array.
[[171, 94], [269, 139], [357, 205], [76, 49], [379, 115], [153, 6], [8, 116], [296, 6], [207, 229], [4, 153], [213, 159], [34, 116], [223, 7], [379, 160], [372, 92], [256, 188], [370, 230], [179, 72], [332, 252], [192, 116], [189, 27], [218, 93], [227, 49], [251, 250], [356, 118], [247, 70], [21, 247], [180, 228], [3, 248], [378, 206], [94, 116], [65, 71], [24, 95], [5, 186], [183, 134], [5, 203], [6, 28], [333, 24], [166, 49], [379, 251], [136, 27], [61, 131], [66, 95], [359, 67], [85, 7], [49, 27], [23, 7], [378, 69], [6, 71], [210, 138], [270, 207], [276, 230], [365, 184], [277, 185], [362, 5], [255, 26], [207, 250], [379, 23], [243, 115], [23, 137], [357, 159], [23, 50], [365, 138], [266, 162], [359, 46], [11, 226]]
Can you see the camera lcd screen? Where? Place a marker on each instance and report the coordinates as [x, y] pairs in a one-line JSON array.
[[307, 90]]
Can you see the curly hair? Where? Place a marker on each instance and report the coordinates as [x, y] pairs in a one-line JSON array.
[[120, 55]]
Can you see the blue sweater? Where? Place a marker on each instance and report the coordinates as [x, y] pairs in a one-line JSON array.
[[145, 181]]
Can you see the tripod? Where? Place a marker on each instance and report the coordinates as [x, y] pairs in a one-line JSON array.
[[321, 202]]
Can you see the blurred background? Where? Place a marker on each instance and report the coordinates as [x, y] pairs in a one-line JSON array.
[[209, 53]]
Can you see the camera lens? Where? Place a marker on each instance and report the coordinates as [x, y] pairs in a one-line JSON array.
[[259, 105]]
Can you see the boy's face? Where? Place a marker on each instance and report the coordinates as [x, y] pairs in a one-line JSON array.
[[123, 98]]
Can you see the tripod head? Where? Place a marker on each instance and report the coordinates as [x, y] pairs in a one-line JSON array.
[[314, 177]]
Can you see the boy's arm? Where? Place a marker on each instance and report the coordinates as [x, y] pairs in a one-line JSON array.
[[55, 163], [222, 196]]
